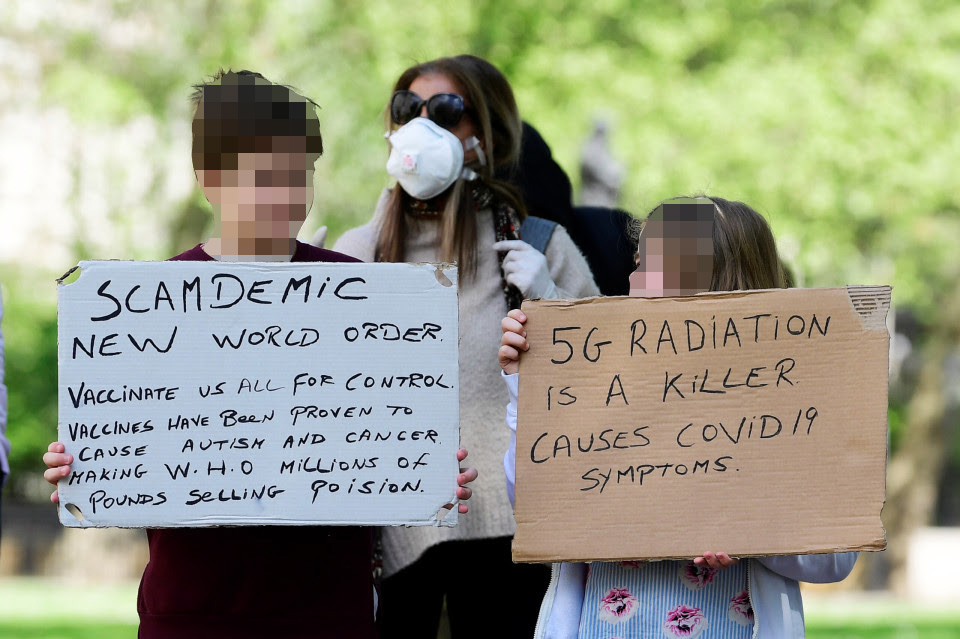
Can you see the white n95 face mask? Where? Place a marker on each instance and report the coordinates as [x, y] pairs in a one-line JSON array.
[[425, 159]]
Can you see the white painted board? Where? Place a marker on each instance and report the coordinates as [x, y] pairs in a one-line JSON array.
[[207, 393]]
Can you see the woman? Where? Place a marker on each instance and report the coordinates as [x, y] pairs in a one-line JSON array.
[[453, 122]]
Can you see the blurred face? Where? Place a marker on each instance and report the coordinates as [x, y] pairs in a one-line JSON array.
[[269, 194], [431, 84], [675, 253]]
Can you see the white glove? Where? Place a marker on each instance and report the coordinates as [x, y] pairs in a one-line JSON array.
[[526, 268], [319, 237]]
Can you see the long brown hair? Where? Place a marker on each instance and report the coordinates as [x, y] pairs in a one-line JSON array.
[[491, 104], [744, 252]]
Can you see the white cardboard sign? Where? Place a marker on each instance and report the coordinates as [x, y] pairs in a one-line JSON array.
[[206, 393]]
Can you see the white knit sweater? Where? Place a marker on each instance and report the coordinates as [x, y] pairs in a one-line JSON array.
[[482, 393]]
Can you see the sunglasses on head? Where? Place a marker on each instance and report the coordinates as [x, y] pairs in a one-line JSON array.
[[445, 109]]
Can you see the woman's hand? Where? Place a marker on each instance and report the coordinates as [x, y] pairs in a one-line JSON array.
[[526, 268], [513, 342], [717, 561], [58, 466]]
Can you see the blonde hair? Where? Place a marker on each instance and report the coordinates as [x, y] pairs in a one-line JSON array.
[[744, 251]]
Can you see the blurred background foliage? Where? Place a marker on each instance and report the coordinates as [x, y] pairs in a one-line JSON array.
[[836, 119]]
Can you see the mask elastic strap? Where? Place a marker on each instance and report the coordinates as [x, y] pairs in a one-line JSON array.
[[473, 143]]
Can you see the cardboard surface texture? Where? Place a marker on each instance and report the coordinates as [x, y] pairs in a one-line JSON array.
[[206, 393], [753, 423]]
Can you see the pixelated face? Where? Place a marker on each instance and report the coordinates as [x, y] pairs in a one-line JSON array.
[[269, 194], [675, 253]]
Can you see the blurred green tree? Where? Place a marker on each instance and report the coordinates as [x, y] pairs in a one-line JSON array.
[[835, 119]]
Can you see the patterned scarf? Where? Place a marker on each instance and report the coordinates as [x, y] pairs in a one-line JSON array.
[[506, 225]]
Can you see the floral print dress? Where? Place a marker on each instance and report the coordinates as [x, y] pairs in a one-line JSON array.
[[665, 599]]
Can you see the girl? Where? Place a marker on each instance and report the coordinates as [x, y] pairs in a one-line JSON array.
[[452, 123], [756, 597]]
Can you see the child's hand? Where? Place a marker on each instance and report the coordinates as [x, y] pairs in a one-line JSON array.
[[717, 561], [58, 466], [466, 476], [514, 341]]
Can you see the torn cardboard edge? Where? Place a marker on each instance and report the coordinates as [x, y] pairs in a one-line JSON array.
[[867, 300], [445, 517], [522, 556]]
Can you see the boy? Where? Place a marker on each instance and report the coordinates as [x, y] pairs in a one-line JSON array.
[[254, 147]]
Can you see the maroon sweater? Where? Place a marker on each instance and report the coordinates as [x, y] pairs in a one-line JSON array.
[[259, 581]]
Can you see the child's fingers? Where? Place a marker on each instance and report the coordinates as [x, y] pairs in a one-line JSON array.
[[707, 558], [510, 325], [55, 460], [726, 560], [518, 315], [513, 342], [55, 497], [508, 357], [519, 342], [717, 561], [461, 454], [56, 447], [466, 476], [53, 475]]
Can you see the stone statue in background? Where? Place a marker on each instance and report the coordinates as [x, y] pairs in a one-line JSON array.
[[601, 174]]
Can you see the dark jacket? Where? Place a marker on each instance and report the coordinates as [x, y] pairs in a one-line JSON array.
[[258, 581]]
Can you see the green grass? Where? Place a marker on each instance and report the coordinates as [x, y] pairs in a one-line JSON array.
[[93, 630], [847, 616], [33, 608], [66, 630], [907, 630]]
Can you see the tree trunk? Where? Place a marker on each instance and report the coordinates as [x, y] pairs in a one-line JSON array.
[[915, 471]]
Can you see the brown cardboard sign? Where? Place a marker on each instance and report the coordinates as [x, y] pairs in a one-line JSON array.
[[752, 423]]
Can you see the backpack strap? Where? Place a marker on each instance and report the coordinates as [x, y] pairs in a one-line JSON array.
[[536, 231]]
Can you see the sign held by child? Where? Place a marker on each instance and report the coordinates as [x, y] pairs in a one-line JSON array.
[[755, 422], [212, 393]]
